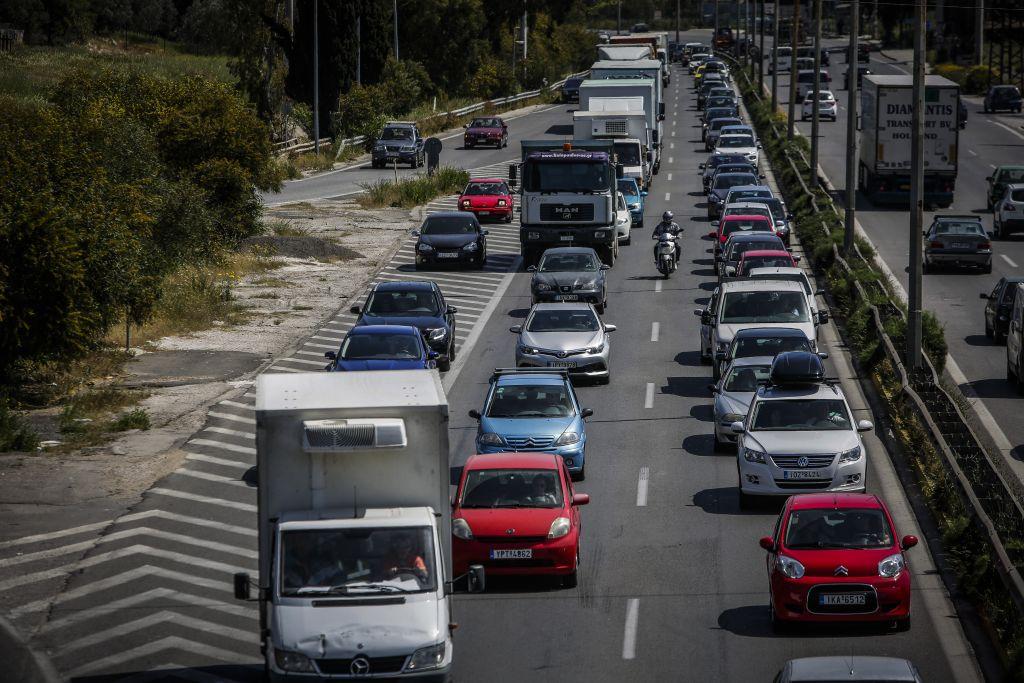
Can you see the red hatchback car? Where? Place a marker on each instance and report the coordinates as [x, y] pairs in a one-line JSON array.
[[486, 130], [739, 223], [487, 198], [517, 513], [836, 558], [765, 258]]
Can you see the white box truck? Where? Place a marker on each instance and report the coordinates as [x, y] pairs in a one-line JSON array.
[[618, 88], [885, 135], [624, 52], [638, 68], [626, 129], [354, 524]]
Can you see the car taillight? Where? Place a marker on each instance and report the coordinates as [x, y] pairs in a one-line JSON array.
[[936, 245], [985, 245]]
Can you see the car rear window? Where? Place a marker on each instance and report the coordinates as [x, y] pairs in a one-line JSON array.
[[746, 225], [449, 225], [724, 182], [944, 228], [747, 377], [1010, 175], [486, 189]]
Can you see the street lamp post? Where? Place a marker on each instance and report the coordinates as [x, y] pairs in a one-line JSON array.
[[316, 77], [816, 105], [791, 124], [851, 130], [913, 360], [775, 59], [395, 6]]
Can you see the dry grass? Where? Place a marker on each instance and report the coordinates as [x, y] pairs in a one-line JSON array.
[[414, 190], [91, 416]]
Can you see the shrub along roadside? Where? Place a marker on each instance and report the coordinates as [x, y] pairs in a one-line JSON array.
[[414, 190], [969, 555]]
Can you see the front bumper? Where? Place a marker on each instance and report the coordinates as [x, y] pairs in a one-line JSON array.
[[637, 216], [564, 236], [574, 454], [589, 365], [554, 556], [462, 257], [482, 140], [955, 257], [798, 599], [767, 479], [387, 155]]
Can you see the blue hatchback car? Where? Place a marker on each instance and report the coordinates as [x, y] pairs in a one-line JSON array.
[[533, 410], [382, 347], [634, 197]]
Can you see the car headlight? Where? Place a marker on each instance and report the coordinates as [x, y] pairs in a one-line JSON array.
[[502, 202], [891, 566], [729, 418], [789, 567], [596, 349], [426, 658], [529, 350], [437, 334], [293, 661], [600, 234], [567, 439], [852, 455], [560, 527], [467, 203], [408, 148], [491, 439], [753, 455], [634, 207], [423, 246], [460, 529], [472, 246], [542, 287]]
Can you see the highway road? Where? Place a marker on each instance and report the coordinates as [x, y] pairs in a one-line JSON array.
[[672, 583]]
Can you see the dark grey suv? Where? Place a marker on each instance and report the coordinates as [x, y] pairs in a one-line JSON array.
[[399, 142]]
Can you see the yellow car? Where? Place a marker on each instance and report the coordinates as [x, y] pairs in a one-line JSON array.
[[698, 74]]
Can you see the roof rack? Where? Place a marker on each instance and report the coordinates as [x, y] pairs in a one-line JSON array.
[[500, 372], [957, 216]]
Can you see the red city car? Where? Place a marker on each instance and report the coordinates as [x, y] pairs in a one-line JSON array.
[[739, 223], [486, 130], [765, 258], [487, 198], [516, 513], [836, 558]]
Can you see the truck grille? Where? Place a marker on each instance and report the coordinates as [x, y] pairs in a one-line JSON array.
[[816, 461], [378, 665], [567, 212], [529, 442]]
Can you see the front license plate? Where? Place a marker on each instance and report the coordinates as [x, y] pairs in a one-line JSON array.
[[843, 599], [512, 554], [447, 254], [568, 297], [563, 364], [566, 238], [801, 474], [484, 213]]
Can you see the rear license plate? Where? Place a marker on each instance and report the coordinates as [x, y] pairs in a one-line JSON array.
[[566, 238], [447, 254], [961, 245], [801, 474], [563, 364], [904, 187], [512, 554], [843, 599], [568, 297]]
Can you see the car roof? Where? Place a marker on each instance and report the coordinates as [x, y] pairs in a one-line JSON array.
[[385, 329], [845, 668], [516, 460], [741, 217], [450, 214], [783, 270], [404, 285], [734, 173], [750, 187], [400, 124], [957, 219], [746, 203], [751, 360], [753, 253], [532, 378], [738, 135], [756, 236], [748, 285], [571, 250], [804, 391], [759, 332]]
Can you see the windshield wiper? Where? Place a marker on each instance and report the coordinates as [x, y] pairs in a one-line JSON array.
[[380, 587]]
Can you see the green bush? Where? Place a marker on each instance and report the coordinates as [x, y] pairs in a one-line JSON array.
[[414, 190], [363, 110], [133, 419], [15, 435]]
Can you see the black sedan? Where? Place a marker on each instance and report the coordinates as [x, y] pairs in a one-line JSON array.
[[1003, 97], [451, 237], [999, 307], [570, 274], [709, 167], [957, 241], [571, 89]]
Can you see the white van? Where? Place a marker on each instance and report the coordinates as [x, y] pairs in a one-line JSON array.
[[805, 82], [785, 58]]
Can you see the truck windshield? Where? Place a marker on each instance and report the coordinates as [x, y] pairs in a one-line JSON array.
[[412, 303], [357, 561], [512, 489], [561, 176], [628, 153], [800, 415], [378, 346], [764, 306]]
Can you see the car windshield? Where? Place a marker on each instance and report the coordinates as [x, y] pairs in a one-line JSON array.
[[745, 225], [749, 347], [737, 195], [357, 561], [379, 346], [736, 249], [561, 176], [449, 225], [408, 303], [725, 181], [568, 263], [396, 134], [800, 415], [1010, 175], [838, 528], [717, 160], [949, 228], [1006, 91], [485, 123], [476, 189], [764, 306], [512, 489], [563, 320], [746, 378], [628, 153], [573, 83], [628, 187], [737, 141], [525, 400], [750, 262]]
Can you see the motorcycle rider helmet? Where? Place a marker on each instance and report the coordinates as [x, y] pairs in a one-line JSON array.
[[667, 216]]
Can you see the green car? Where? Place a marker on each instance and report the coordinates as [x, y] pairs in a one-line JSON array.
[[1000, 178]]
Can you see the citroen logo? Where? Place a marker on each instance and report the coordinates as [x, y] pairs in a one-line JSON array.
[[510, 531], [803, 461], [360, 666], [841, 571]]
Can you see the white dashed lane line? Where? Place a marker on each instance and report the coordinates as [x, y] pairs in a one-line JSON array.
[[649, 396], [641, 487], [629, 635], [655, 331], [1009, 260]]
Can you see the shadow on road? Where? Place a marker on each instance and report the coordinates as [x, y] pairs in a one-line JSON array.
[[726, 501], [993, 388], [690, 358], [979, 340], [688, 387]]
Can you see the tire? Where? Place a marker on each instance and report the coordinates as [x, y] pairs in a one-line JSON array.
[[481, 264], [451, 349], [468, 146], [628, 241], [508, 218], [606, 380], [720, 446], [779, 626], [570, 580], [444, 364], [903, 625], [987, 268], [581, 475], [988, 331]]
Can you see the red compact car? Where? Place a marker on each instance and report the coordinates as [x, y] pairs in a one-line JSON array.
[[516, 513], [739, 223], [486, 130], [487, 198], [765, 258], [836, 558]]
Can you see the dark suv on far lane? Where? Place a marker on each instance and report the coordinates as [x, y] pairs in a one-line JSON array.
[[399, 141], [1003, 97]]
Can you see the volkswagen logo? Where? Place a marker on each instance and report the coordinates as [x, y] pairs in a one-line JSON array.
[[360, 666], [510, 531], [803, 461], [841, 571]]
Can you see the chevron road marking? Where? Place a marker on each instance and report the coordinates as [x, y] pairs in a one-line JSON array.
[[161, 645], [35, 538], [162, 617], [233, 418], [246, 507], [220, 479], [248, 450], [230, 432], [177, 671], [199, 457], [236, 404]]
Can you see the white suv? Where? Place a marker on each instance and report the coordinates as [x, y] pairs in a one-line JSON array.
[[1008, 212], [799, 435]]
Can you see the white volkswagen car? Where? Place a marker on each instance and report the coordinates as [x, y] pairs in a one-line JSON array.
[[740, 144]]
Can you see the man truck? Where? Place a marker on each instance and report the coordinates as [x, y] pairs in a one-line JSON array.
[[625, 128]]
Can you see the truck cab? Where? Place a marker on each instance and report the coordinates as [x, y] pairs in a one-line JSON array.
[[629, 135]]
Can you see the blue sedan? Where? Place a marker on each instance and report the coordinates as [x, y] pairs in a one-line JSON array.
[[533, 411], [634, 197], [382, 347]]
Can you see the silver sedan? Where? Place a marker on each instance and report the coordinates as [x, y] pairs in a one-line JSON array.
[[733, 395], [565, 335]]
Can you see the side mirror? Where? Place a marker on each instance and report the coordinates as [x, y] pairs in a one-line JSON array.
[[610, 328], [356, 310], [586, 412], [713, 234], [453, 309], [767, 543], [822, 355], [822, 317], [737, 427], [415, 233], [925, 233], [719, 355], [865, 426], [516, 329], [580, 499], [908, 542], [476, 580], [433, 355], [698, 311], [243, 585], [605, 266], [988, 178], [730, 271], [475, 414], [531, 269], [984, 295], [713, 388], [485, 232], [643, 193], [761, 176], [701, 166], [465, 125], [331, 355]]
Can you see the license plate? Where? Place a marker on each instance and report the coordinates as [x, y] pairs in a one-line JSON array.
[[392, 155], [566, 238], [563, 364], [512, 554], [961, 245], [447, 254], [801, 474], [904, 187], [843, 599], [568, 297], [484, 213]]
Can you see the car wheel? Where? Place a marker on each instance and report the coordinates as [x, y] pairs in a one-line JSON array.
[[628, 241], [444, 364], [581, 475], [720, 446], [987, 268], [606, 380], [903, 625], [508, 217], [988, 330], [570, 580], [468, 146]]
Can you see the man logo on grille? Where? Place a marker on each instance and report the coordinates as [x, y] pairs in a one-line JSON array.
[[803, 461], [360, 666]]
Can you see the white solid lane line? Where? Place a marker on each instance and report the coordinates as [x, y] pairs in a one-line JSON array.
[[1008, 260], [655, 331], [1006, 127], [641, 487], [649, 396], [629, 636]]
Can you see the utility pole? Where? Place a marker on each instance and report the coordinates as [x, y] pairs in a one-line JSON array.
[[316, 77], [979, 31], [677, 23], [816, 107], [715, 34], [395, 5], [760, 57], [775, 59], [851, 131], [618, 19], [791, 123], [916, 193], [525, 31], [359, 50]]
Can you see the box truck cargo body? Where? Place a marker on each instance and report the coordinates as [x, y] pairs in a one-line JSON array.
[[646, 89], [626, 129]]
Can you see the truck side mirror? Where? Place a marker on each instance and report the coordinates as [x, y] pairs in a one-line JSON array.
[[355, 310], [243, 586], [513, 172], [331, 355], [620, 171], [476, 579]]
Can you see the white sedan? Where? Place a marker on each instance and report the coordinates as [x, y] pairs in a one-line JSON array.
[[828, 108]]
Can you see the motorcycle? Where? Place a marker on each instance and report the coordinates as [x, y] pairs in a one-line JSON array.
[[666, 254]]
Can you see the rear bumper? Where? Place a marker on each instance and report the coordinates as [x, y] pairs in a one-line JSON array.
[[953, 257], [1012, 223]]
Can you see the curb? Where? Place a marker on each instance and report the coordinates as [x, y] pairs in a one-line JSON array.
[[22, 662]]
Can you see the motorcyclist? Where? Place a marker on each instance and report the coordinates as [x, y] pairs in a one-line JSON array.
[[666, 226]]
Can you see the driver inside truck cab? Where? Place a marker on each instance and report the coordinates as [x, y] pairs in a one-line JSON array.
[[404, 558]]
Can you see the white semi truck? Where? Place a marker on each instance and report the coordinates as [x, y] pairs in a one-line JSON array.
[[645, 89], [637, 68], [354, 525], [885, 136], [627, 129]]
